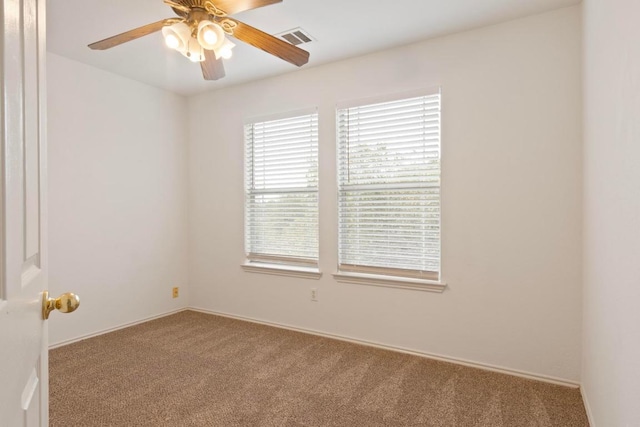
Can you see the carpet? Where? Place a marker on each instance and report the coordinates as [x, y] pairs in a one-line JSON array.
[[195, 369]]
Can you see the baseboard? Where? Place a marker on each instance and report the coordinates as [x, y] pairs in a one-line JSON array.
[[458, 361], [115, 328], [471, 364], [587, 407]]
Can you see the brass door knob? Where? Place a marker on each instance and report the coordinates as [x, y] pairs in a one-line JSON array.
[[65, 303]]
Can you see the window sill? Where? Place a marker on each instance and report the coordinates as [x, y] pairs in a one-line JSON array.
[[282, 270], [391, 281]]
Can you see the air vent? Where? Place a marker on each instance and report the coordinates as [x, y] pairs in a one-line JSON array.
[[296, 36]]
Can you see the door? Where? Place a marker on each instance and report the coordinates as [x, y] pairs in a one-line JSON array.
[[23, 225]]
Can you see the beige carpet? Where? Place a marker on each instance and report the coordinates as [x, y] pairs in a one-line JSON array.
[[194, 369]]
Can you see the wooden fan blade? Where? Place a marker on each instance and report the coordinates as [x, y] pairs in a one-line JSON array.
[[270, 44], [132, 34], [234, 6], [212, 68]]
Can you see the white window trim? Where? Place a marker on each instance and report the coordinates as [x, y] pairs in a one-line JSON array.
[[275, 268], [391, 281], [282, 270], [395, 96], [359, 278], [281, 115]]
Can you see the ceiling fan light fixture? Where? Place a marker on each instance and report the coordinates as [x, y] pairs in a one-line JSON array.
[[199, 32], [177, 36], [172, 41], [210, 35], [226, 50]]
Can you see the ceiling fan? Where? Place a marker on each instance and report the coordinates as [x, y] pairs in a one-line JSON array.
[[199, 34]]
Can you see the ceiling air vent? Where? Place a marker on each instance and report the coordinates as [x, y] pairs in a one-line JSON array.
[[296, 36]]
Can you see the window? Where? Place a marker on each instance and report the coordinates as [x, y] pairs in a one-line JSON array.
[[389, 189], [281, 183]]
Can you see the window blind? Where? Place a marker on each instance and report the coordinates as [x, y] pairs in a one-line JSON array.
[[389, 187], [281, 183]]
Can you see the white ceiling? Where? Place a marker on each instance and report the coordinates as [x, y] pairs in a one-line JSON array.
[[342, 28]]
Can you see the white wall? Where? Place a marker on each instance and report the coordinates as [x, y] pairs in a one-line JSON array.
[[512, 204], [611, 361], [117, 197]]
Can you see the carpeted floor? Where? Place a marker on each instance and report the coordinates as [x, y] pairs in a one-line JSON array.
[[194, 369]]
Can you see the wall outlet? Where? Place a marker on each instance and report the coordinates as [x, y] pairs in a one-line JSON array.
[[314, 294], [176, 292]]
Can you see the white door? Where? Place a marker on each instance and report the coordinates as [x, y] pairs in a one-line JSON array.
[[23, 225]]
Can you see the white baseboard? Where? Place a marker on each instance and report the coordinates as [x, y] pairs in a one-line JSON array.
[[458, 361], [587, 407], [484, 366], [106, 331]]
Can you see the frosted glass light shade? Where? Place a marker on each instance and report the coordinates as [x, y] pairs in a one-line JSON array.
[[210, 35], [172, 41], [177, 36], [225, 51]]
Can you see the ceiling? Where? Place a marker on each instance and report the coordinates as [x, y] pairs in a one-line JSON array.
[[341, 29]]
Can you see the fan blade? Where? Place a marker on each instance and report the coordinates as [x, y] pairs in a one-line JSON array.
[[177, 6], [212, 68], [270, 44], [234, 6], [132, 34]]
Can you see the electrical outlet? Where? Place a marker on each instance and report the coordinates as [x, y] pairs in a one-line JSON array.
[[314, 294], [175, 292]]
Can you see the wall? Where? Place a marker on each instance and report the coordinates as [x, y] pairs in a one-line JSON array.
[[117, 197], [611, 361], [512, 204]]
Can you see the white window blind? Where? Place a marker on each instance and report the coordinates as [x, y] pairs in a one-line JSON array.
[[281, 180], [389, 188]]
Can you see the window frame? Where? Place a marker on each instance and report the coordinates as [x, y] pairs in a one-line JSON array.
[[388, 276], [275, 263]]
